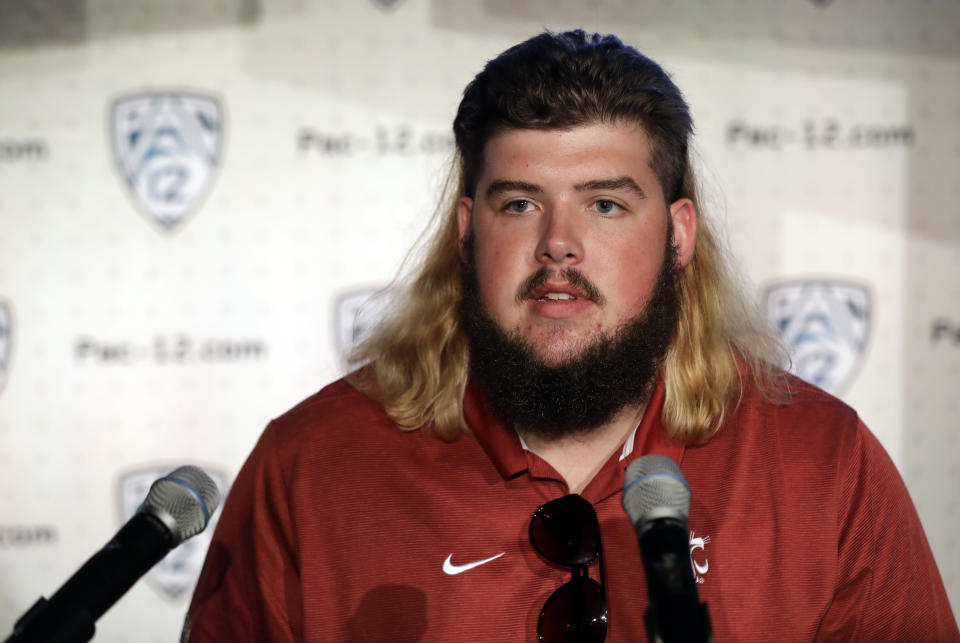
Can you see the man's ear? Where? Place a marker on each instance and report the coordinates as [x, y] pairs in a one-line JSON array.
[[464, 213], [684, 216]]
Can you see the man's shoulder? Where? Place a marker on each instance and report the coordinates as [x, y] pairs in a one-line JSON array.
[[338, 412], [791, 417], [796, 438], [789, 400], [339, 434], [340, 394]]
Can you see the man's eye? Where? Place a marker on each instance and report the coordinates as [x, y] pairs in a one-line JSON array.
[[606, 206], [519, 206]]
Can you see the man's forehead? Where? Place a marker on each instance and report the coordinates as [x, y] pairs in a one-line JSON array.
[[593, 155]]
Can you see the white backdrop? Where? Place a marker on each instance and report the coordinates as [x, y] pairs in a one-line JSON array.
[[301, 145]]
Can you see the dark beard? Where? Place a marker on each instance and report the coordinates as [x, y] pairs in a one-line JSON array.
[[556, 400]]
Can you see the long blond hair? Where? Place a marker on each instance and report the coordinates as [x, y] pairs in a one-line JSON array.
[[418, 357]]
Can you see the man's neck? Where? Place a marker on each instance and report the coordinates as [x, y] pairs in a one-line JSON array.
[[579, 457]]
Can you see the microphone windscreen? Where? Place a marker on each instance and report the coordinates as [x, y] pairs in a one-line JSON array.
[[654, 487], [184, 500]]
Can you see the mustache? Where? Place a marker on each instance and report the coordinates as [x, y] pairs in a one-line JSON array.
[[571, 275]]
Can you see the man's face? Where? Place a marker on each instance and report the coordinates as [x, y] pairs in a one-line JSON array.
[[569, 234]]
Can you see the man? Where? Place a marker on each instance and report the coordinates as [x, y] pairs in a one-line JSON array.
[[572, 314]]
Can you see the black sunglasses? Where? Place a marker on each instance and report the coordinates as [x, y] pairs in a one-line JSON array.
[[566, 531]]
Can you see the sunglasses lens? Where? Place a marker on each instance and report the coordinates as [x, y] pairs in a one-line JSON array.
[[575, 613], [566, 531]]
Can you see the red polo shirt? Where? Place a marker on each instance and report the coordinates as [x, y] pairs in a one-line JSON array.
[[340, 527]]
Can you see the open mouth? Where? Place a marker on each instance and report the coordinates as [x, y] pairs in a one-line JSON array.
[[568, 286], [556, 296]]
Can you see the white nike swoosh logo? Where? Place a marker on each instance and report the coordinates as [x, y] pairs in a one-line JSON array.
[[452, 570]]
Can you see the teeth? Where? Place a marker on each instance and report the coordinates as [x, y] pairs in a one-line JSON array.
[[557, 296]]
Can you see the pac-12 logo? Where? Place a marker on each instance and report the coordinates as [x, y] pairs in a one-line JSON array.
[[824, 325], [167, 145], [355, 313], [6, 340], [177, 573]]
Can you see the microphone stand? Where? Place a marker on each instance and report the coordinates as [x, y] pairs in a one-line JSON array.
[[69, 615]]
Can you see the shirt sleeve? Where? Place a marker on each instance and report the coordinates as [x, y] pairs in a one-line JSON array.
[[249, 588], [889, 587]]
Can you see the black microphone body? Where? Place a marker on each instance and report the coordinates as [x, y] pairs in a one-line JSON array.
[[69, 615], [675, 612]]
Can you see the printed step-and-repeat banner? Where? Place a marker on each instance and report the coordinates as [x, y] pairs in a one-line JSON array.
[[197, 200]]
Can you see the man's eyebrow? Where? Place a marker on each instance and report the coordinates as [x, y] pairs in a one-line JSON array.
[[619, 183], [501, 186]]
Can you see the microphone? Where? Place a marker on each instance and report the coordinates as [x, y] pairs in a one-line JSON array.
[[657, 499], [178, 506]]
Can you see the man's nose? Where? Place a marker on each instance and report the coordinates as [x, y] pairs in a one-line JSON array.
[[561, 238]]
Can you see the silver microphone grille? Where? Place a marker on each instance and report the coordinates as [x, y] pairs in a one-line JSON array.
[[654, 487], [184, 500]]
